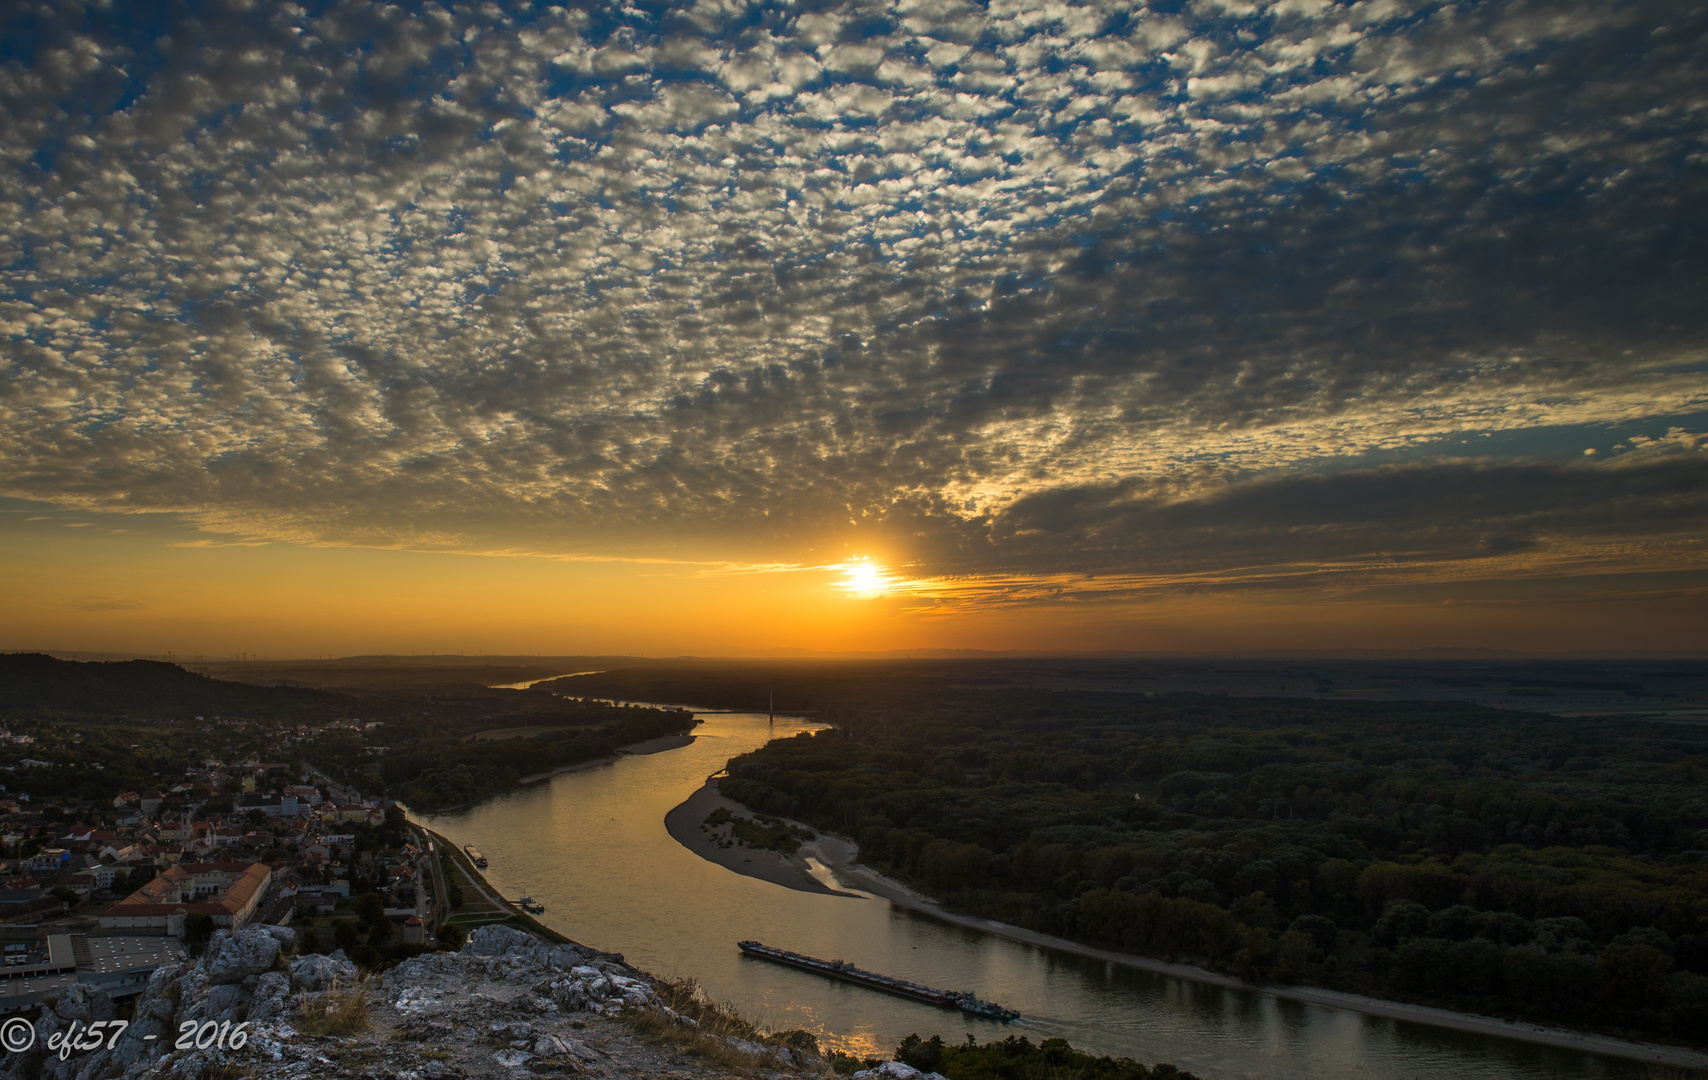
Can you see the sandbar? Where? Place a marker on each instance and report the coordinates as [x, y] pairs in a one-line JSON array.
[[791, 872]]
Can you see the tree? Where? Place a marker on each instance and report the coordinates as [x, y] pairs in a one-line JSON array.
[[198, 928], [922, 1054], [370, 908], [344, 934], [451, 936], [366, 956]]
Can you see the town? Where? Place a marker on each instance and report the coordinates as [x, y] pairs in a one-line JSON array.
[[104, 894], [143, 807]]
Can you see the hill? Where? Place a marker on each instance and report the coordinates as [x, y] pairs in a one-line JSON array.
[[144, 689]]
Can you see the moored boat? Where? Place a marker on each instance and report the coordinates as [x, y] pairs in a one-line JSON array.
[[474, 856]]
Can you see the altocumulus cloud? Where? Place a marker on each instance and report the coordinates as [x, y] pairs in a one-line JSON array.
[[1009, 288]]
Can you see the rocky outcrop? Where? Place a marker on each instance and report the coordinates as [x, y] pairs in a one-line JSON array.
[[230, 959], [896, 1070], [317, 972], [507, 1005]]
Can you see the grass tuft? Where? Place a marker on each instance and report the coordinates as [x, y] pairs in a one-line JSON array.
[[713, 1025], [339, 1011]]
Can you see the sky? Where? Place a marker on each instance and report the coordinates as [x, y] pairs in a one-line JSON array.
[[731, 327]]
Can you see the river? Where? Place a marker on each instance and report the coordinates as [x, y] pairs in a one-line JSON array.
[[592, 847]]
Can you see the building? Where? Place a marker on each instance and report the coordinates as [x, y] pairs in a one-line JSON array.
[[99, 876], [273, 804], [306, 795], [49, 860], [229, 893], [120, 966]]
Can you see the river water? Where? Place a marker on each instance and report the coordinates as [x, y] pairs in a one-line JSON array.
[[591, 846]]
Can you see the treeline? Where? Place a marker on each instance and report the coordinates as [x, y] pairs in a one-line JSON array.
[[436, 773], [1018, 1059], [1508, 863]]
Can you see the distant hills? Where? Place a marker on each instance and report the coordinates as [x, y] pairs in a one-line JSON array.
[[142, 688]]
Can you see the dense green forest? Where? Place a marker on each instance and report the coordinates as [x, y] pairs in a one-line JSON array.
[[1502, 862]]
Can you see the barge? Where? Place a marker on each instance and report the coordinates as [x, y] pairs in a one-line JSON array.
[[474, 856], [838, 969]]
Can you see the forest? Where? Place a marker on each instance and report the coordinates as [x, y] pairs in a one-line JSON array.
[[441, 772], [1496, 861]]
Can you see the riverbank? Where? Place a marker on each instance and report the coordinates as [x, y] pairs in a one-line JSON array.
[[837, 856], [650, 746], [792, 872]]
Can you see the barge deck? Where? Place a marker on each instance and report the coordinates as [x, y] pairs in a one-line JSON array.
[[838, 969]]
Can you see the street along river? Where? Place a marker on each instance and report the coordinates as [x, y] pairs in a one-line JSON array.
[[592, 847]]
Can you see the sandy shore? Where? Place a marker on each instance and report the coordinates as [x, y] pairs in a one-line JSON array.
[[650, 746], [836, 857], [791, 872]]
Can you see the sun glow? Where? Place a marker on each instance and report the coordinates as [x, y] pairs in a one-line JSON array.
[[865, 578]]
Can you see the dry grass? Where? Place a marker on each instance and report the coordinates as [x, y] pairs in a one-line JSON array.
[[339, 1011], [713, 1025]]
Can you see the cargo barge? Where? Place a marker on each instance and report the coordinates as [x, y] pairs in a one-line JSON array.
[[474, 856], [837, 969]]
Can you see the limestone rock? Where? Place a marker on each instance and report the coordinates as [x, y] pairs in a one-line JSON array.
[[284, 935], [230, 959], [439, 1016], [895, 1070], [317, 972], [79, 1002], [271, 998], [497, 940], [222, 1001]]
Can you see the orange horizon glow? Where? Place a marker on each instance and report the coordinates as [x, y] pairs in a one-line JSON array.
[[108, 586]]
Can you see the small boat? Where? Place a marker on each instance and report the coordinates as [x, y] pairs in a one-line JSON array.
[[474, 856], [838, 969], [527, 903]]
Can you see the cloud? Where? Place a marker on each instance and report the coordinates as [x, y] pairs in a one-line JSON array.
[[991, 287]]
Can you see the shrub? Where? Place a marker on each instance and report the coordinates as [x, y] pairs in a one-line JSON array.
[[922, 1054]]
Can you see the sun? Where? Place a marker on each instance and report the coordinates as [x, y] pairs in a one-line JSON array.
[[865, 578]]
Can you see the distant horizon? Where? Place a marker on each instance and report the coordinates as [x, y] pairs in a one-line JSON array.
[[469, 659]]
